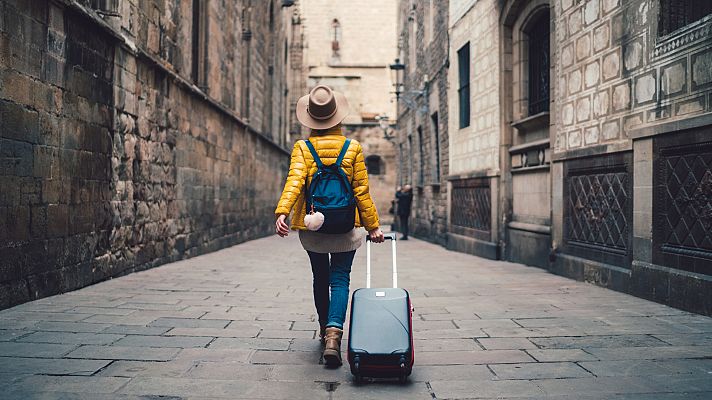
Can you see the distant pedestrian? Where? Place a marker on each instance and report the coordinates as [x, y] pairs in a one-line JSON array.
[[330, 238], [405, 199]]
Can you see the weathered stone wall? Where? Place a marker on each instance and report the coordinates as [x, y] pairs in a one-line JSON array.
[[475, 148], [423, 45], [382, 185], [617, 74], [359, 68], [630, 101], [111, 158], [56, 120]]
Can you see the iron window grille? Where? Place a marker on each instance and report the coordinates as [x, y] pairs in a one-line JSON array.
[[539, 65], [675, 14]]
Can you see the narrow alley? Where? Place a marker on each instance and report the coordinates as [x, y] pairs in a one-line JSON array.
[[240, 323]]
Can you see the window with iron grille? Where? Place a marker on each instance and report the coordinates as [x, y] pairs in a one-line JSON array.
[[539, 65], [675, 14], [463, 91]]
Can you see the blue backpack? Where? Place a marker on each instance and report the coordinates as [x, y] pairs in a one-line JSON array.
[[330, 193]]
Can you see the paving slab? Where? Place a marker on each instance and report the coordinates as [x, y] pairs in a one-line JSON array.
[[237, 332], [70, 338], [458, 389], [439, 345], [558, 370], [236, 389], [255, 343], [614, 341], [506, 343], [164, 341], [50, 366], [473, 357], [648, 367], [7, 335], [189, 323], [136, 330], [230, 325], [131, 369], [69, 326], [230, 371], [554, 355], [124, 353], [41, 350], [66, 383]]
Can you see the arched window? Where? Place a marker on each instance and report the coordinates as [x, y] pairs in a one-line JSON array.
[[374, 165], [538, 35]]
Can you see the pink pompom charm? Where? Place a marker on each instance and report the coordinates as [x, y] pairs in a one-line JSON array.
[[314, 221]]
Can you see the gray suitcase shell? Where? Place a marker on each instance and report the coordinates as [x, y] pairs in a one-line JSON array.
[[381, 329]]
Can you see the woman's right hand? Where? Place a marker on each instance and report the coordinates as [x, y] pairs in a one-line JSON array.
[[281, 227]]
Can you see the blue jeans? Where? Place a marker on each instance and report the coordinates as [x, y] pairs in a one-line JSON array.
[[334, 274]]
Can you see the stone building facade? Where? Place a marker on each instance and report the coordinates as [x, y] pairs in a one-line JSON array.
[[579, 139], [423, 115], [138, 133], [631, 172], [341, 52]]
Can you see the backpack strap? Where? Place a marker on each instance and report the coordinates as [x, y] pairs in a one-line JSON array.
[[343, 152], [309, 144]]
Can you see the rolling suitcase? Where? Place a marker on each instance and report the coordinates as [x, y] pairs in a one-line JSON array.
[[381, 327]]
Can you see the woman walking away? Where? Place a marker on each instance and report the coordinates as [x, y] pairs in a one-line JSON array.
[[327, 186]]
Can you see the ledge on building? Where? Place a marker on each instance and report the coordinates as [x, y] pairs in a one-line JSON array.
[[533, 122], [487, 173], [601, 149], [529, 244], [470, 245], [672, 126], [525, 226], [598, 273], [676, 288]]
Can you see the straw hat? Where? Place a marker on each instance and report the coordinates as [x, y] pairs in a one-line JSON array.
[[322, 108]]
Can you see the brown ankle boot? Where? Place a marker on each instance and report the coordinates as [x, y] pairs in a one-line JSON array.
[[332, 351]]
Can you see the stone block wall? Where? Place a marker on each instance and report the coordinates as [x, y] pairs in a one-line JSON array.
[[112, 159], [475, 148], [423, 48], [617, 73], [56, 119], [632, 103]]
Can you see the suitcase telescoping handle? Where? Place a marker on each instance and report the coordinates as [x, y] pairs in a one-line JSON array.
[[392, 237]]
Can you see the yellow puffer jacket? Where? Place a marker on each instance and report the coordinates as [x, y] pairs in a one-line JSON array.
[[328, 147]]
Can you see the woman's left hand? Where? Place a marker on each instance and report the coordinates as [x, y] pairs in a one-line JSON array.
[[376, 235], [282, 228]]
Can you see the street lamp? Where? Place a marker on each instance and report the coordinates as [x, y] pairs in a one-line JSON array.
[[385, 124], [397, 76], [408, 96]]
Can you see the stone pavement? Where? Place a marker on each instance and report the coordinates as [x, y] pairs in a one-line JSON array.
[[239, 324]]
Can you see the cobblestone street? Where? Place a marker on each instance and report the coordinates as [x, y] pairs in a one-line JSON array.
[[239, 323]]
